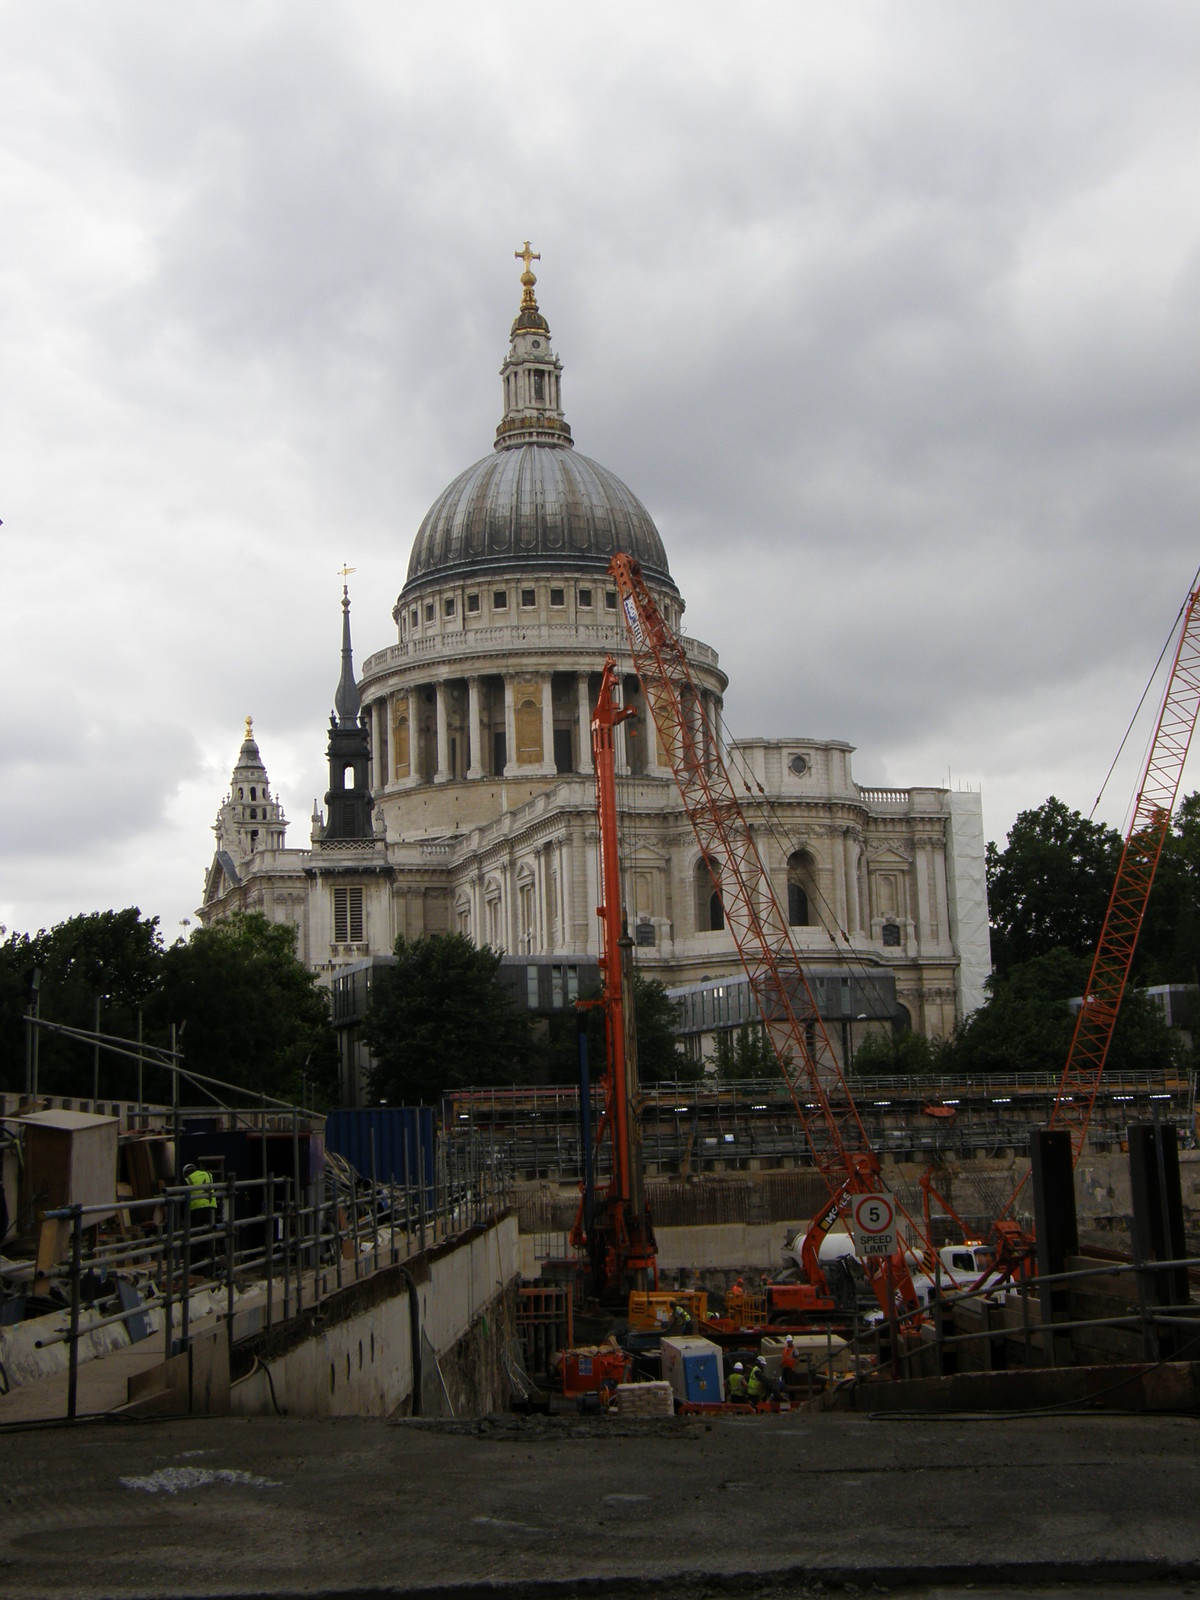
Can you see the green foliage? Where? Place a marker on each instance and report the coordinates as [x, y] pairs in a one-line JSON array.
[[743, 1054], [1048, 888], [900, 1054], [115, 956], [660, 1056], [441, 1019], [1026, 1025], [255, 1016], [1169, 946]]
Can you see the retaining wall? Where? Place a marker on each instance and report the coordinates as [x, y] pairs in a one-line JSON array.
[[354, 1356]]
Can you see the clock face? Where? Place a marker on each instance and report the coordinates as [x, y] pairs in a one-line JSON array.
[[537, 344]]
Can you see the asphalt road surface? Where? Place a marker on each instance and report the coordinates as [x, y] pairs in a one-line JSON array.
[[781, 1506]]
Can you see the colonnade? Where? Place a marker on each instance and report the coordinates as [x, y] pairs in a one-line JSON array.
[[400, 715]]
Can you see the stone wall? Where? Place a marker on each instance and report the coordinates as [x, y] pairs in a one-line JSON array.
[[353, 1356]]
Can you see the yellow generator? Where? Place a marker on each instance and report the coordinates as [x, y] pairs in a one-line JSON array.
[[650, 1312]]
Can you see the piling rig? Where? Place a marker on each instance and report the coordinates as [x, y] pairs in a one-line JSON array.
[[617, 1235]]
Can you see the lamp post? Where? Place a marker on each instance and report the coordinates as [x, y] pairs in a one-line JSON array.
[[96, 1057], [32, 1012], [861, 1017]]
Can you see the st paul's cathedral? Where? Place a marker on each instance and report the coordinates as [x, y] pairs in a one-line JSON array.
[[461, 793]]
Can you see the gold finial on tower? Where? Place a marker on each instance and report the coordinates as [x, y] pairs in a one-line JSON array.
[[527, 277], [249, 727]]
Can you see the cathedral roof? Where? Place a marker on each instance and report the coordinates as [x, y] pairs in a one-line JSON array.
[[534, 501], [536, 504]]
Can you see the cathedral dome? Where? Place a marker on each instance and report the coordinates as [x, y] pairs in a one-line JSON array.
[[534, 504]]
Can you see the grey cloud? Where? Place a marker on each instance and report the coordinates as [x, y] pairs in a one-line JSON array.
[[845, 300]]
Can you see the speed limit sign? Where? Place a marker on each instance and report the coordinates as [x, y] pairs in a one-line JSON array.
[[873, 1223]]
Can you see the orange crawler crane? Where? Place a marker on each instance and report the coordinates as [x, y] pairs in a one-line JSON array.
[[1148, 829], [840, 1148], [618, 1237]]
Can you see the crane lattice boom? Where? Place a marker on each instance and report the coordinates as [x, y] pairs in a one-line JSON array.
[[752, 912], [1148, 829]]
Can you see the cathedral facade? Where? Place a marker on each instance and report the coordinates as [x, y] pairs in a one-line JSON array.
[[461, 793]]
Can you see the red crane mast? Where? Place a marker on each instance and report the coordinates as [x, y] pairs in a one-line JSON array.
[[622, 1245]]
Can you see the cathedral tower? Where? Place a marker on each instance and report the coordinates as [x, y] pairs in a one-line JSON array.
[[349, 794]]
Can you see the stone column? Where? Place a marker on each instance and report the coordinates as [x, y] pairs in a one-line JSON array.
[[548, 723], [443, 774], [414, 734], [839, 878], [941, 894], [620, 753], [853, 914], [475, 729], [585, 723], [510, 732], [704, 715], [540, 939], [921, 869]]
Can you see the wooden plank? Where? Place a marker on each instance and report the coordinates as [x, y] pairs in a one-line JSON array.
[[54, 1238]]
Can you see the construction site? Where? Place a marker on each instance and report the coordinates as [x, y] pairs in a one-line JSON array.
[[778, 1259]]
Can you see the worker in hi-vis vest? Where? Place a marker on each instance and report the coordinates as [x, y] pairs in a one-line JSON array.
[[202, 1204]]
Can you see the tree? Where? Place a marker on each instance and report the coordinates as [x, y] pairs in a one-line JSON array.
[[1048, 889], [660, 1057], [111, 956], [744, 1053], [903, 1053], [255, 1016], [441, 1019], [1026, 1024], [1169, 946]]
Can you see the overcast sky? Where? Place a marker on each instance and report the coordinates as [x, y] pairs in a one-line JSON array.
[[887, 312]]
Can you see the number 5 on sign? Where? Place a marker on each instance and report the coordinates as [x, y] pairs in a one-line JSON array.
[[873, 1223]]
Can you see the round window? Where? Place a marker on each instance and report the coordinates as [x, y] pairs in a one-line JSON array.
[[537, 344], [799, 765]]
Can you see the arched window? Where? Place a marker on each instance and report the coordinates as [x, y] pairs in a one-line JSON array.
[[801, 889], [710, 913]]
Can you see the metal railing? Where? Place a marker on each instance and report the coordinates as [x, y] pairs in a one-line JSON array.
[[710, 1127], [260, 1246], [1045, 1325]]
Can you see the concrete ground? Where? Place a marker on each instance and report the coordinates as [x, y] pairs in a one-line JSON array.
[[772, 1505]]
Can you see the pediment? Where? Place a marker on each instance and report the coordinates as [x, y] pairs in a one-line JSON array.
[[888, 855]]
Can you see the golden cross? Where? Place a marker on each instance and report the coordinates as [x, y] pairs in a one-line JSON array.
[[527, 255]]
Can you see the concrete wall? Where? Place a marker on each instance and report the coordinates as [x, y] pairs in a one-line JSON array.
[[362, 1365]]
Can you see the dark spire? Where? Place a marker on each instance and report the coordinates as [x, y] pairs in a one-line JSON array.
[[347, 702]]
